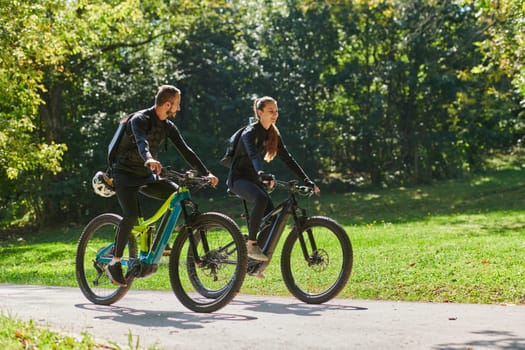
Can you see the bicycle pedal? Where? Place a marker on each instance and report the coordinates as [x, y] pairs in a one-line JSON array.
[[166, 252], [257, 274]]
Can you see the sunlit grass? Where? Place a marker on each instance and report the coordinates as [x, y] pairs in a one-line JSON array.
[[455, 241], [469, 259], [15, 334]]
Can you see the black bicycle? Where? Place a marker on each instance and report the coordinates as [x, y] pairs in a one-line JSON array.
[[317, 256]]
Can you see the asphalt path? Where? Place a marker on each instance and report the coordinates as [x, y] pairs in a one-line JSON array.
[[262, 322]]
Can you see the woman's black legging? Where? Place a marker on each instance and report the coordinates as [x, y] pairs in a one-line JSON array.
[[253, 193], [127, 189]]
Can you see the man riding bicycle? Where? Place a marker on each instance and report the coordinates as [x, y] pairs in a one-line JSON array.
[[136, 168]]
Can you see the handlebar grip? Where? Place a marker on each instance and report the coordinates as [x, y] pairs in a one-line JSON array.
[[305, 189]]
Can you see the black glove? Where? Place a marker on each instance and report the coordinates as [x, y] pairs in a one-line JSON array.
[[266, 177]]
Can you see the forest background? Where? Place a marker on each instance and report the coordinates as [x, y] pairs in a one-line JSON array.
[[378, 93]]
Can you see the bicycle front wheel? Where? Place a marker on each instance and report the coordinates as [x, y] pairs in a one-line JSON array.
[[210, 279], [98, 236], [317, 261]]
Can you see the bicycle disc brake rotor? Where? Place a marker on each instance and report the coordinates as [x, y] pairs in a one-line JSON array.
[[319, 260]]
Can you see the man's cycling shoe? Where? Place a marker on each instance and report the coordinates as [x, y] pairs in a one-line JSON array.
[[115, 275]]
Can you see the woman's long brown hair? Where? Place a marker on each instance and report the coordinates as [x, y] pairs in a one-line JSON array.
[[273, 133]]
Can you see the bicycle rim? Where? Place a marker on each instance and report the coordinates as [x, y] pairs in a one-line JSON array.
[[325, 271], [91, 277], [210, 282]]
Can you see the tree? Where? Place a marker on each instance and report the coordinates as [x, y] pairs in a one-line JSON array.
[[413, 111], [503, 48], [387, 92], [286, 47], [33, 46], [57, 46]]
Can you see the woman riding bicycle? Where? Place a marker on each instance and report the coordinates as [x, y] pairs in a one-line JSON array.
[[247, 179], [136, 168]]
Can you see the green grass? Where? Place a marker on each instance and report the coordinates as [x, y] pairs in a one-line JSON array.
[[16, 335], [455, 241]]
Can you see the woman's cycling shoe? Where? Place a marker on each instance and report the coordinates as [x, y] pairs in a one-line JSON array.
[[255, 253]]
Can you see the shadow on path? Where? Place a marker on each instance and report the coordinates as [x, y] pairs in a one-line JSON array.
[[299, 309], [502, 340], [192, 320]]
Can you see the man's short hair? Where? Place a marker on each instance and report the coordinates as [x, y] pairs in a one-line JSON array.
[[166, 93]]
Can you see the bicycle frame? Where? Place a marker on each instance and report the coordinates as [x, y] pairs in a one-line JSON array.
[[168, 214], [280, 216]]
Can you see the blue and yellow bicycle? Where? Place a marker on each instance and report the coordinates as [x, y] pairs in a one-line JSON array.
[[207, 260]]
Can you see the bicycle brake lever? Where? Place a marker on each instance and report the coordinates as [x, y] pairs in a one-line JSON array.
[[305, 189]]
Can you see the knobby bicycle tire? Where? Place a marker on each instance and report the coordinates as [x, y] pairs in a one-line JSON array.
[[324, 274], [91, 277], [209, 283]]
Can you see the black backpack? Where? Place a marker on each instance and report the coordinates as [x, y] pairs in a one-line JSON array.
[[114, 145], [115, 141], [227, 159]]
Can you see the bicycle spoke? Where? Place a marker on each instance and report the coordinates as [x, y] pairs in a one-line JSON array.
[[208, 283], [92, 279], [321, 272]]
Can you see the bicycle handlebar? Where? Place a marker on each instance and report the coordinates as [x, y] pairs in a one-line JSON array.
[[187, 179], [292, 186]]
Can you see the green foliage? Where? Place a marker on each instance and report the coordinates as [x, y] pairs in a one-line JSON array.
[[33, 44], [504, 48], [411, 111], [382, 92]]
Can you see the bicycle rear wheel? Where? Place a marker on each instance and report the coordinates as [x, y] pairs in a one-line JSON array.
[[210, 280], [321, 271], [98, 235]]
